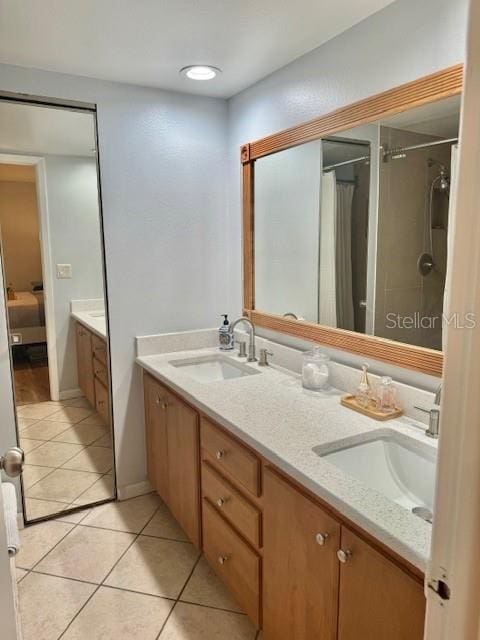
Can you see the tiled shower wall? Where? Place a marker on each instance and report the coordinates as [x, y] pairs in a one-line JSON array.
[[402, 238]]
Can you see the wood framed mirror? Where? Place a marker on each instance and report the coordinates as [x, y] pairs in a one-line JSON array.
[[345, 224]]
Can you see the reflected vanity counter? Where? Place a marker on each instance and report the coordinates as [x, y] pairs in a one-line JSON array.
[[295, 430], [91, 314]]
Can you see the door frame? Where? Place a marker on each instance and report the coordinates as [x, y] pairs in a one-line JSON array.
[[454, 612], [46, 256]]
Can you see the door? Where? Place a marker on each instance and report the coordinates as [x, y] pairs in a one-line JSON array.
[[300, 570], [7, 598], [378, 600], [156, 435], [183, 466]]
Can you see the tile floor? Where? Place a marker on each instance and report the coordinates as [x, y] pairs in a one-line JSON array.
[[68, 456], [121, 571]]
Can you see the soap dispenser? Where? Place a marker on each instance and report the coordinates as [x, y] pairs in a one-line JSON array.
[[225, 338]]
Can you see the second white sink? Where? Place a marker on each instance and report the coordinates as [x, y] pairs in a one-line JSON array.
[[213, 368], [399, 467]]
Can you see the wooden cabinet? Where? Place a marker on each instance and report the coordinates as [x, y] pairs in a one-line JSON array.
[[173, 454], [92, 370], [156, 400], [378, 600], [183, 466], [86, 378], [310, 594], [294, 565], [301, 569], [233, 560]]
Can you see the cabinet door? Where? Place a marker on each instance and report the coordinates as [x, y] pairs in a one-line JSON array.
[[156, 403], [183, 466], [85, 363], [300, 574], [378, 600]]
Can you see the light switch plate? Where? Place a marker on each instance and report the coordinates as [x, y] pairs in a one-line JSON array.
[[64, 270]]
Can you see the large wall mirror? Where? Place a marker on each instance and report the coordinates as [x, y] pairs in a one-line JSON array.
[[55, 304], [347, 232]]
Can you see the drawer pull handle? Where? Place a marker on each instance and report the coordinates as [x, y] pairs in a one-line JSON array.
[[344, 555], [221, 502], [321, 538], [222, 559], [220, 454]]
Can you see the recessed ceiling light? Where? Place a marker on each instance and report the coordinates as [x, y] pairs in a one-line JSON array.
[[200, 72]]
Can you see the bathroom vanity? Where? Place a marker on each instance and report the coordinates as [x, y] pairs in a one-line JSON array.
[[307, 551], [92, 363]]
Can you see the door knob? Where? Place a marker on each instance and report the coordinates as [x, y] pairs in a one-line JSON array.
[[321, 538], [344, 555], [12, 462], [222, 559]]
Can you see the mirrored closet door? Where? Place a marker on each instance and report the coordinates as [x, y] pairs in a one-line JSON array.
[[53, 269]]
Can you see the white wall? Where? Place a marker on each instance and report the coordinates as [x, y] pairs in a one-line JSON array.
[[162, 162], [74, 230], [406, 40], [20, 234], [287, 214]]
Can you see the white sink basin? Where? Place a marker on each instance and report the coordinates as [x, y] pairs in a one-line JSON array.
[[213, 368], [399, 467]]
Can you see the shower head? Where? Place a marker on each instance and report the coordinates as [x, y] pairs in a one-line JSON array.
[[442, 181]]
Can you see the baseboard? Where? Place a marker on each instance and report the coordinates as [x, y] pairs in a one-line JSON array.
[[134, 490], [71, 393]]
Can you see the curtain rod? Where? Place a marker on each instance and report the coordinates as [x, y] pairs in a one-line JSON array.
[[330, 167], [399, 151]]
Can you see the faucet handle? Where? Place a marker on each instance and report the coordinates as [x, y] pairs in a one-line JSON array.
[[263, 357]]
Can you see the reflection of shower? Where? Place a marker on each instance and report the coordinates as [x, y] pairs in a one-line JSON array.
[[441, 184]]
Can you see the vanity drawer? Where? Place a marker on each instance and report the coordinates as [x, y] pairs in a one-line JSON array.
[[234, 507], [231, 456], [99, 348], [101, 401], [233, 560], [100, 371]]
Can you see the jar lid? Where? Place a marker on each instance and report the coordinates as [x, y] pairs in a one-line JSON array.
[[316, 353]]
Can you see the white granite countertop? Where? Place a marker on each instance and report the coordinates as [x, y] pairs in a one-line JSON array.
[[273, 414], [93, 321]]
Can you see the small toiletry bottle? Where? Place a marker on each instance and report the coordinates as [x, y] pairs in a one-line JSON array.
[[225, 338], [385, 399], [363, 393]]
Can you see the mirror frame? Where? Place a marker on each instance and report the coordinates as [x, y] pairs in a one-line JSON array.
[[442, 84]]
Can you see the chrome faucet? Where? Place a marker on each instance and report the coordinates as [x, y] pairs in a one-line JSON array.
[[251, 342], [434, 415]]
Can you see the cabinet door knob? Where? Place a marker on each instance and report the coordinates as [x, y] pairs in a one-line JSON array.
[[222, 559], [220, 453], [344, 555], [158, 400], [164, 406], [321, 538], [221, 502]]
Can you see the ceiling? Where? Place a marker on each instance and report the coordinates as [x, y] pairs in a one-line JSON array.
[[146, 42], [45, 130]]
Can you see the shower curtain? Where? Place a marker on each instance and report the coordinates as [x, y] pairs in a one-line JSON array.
[[335, 264], [343, 256]]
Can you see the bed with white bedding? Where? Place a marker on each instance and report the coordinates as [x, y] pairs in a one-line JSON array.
[[26, 317]]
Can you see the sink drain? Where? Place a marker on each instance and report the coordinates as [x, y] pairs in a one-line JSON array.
[[423, 513]]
